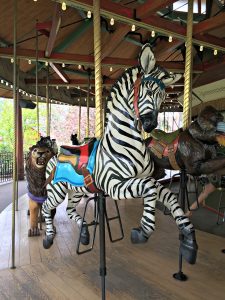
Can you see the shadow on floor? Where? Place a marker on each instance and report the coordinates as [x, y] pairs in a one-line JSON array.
[[204, 219]]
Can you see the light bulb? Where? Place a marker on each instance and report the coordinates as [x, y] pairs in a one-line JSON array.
[[68, 87], [89, 14], [12, 60], [7, 83], [112, 21], [2, 81], [215, 52], [11, 86], [133, 27], [63, 65], [153, 33], [78, 87], [170, 38], [110, 69], [57, 87], [29, 62], [46, 63], [64, 6], [35, 0], [79, 66], [201, 48]]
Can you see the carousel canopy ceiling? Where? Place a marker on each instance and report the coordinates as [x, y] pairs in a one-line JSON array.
[[59, 34]]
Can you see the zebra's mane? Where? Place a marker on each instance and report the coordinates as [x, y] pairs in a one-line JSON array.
[[157, 72], [116, 86]]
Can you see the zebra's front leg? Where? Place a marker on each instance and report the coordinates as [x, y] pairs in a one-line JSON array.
[[73, 200], [136, 188]]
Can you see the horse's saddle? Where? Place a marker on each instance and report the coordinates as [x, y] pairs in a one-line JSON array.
[[76, 164], [164, 144]]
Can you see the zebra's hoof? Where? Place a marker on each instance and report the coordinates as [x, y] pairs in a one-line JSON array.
[[137, 236], [48, 241], [85, 236], [188, 245]]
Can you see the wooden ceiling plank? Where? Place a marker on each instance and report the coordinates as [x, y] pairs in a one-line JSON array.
[[159, 24], [209, 24], [152, 6]]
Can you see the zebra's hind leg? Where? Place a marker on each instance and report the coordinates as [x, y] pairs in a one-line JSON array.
[[56, 195], [73, 200], [188, 244]]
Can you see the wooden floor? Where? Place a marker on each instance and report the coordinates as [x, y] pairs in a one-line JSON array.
[[133, 271]]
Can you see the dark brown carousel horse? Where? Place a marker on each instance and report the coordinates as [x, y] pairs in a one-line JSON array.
[[192, 149]]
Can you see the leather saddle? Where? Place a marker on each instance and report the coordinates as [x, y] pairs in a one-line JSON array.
[[164, 144], [76, 164]]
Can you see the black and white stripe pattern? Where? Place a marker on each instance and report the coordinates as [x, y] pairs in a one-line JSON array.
[[123, 163]]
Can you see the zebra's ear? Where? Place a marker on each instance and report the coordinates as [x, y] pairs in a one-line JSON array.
[[171, 79], [146, 59]]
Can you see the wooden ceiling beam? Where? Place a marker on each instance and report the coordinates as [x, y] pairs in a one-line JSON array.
[[56, 21], [209, 24], [75, 83], [59, 72], [152, 6], [76, 59]]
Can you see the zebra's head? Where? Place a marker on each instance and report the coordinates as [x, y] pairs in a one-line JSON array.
[[149, 89]]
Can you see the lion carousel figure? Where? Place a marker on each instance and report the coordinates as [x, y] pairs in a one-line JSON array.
[[35, 167]]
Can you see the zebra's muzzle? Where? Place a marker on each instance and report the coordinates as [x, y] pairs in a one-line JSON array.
[[148, 123]]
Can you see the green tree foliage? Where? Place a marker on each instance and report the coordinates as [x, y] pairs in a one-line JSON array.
[[7, 126]]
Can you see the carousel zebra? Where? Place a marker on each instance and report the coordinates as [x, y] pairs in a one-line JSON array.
[[123, 165]]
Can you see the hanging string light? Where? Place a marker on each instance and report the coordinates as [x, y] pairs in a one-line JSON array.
[[112, 22], [79, 66], [68, 87], [201, 48], [29, 62], [63, 6], [57, 87], [12, 60], [46, 63], [153, 33], [89, 14], [110, 69], [215, 52], [63, 65], [133, 28], [170, 38]]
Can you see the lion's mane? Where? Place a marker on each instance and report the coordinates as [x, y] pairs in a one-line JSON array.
[[35, 176]]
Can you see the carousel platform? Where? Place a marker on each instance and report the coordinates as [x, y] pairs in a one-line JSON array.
[[133, 271]]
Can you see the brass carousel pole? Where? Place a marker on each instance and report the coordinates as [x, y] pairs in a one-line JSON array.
[[98, 73], [36, 84], [47, 104], [98, 134], [15, 132], [188, 68], [186, 120], [88, 104]]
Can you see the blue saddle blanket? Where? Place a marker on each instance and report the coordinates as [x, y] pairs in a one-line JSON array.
[[65, 171]]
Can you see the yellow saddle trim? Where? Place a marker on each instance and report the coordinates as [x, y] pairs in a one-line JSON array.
[[73, 159]]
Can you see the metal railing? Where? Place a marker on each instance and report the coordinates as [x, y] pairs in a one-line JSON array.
[[6, 166]]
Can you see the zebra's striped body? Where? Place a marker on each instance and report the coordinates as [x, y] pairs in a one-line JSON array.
[[123, 164]]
